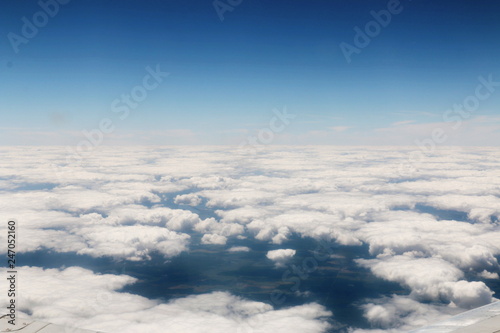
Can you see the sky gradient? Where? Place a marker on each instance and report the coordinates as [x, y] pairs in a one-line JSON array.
[[227, 76]]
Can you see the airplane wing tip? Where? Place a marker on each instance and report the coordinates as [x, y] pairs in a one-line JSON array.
[[24, 325], [485, 319]]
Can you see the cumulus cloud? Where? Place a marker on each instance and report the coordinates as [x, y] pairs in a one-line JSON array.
[[77, 297], [436, 211], [281, 256], [211, 225], [431, 279], [489, 275], [213, 239], [132, 242], [398, 314], [188, 199]]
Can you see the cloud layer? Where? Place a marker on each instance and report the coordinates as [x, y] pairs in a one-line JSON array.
[[430, 220], [77, 297]]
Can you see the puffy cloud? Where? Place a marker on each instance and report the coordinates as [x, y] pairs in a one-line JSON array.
[[469, 295], [243, 214], [489, 275], [281, 256], [211, 225], [77, 297], [431, 279], [436, 211], [399, 314], [132, 242], [188, 199], [213, 239], [402, 231], [282, 235]]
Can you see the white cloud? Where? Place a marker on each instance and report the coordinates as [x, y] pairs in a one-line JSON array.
[[211, 225], [281, 256], [213, 239], [132, 242], [188, 199], [489, 275], [408, 212], [239, 249], [399, 314], [431, 279]]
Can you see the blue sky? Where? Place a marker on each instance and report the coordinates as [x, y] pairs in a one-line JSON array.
[[227, 76]]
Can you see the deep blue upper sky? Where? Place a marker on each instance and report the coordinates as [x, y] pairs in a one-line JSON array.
[[227, 76]]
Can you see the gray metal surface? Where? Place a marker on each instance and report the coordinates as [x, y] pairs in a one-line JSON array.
[[30, 326], [485, 319]]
